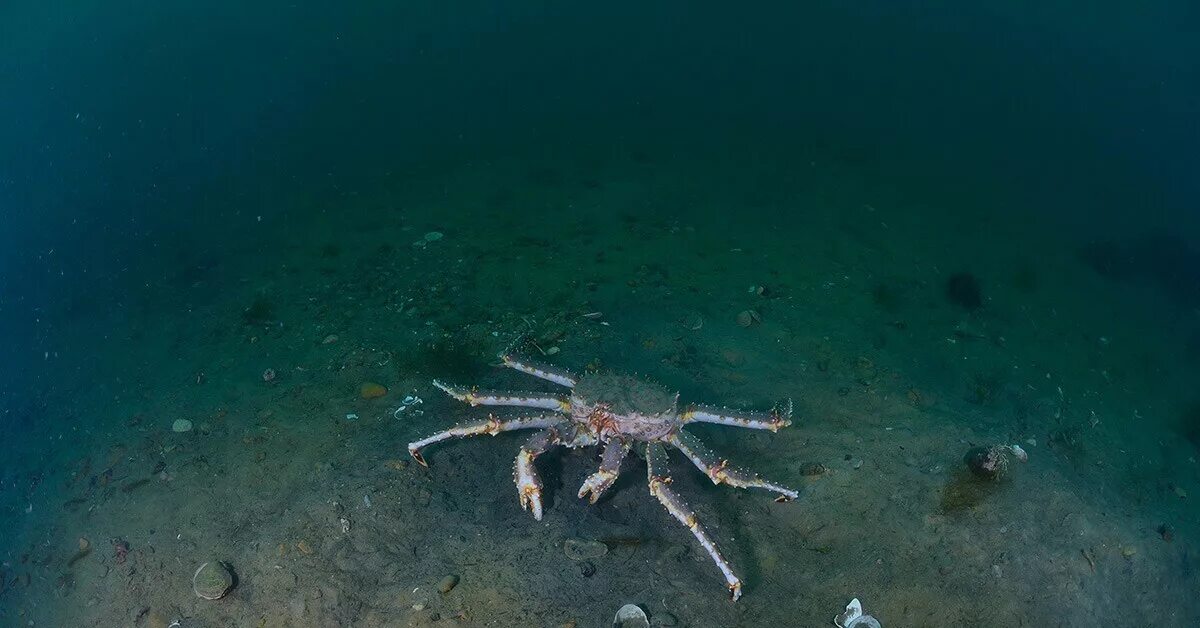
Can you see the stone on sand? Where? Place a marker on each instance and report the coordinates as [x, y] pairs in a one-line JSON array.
[[181, 425], [371, 390]]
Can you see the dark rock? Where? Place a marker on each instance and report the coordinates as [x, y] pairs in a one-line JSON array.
[[963, 289], [985, 462]]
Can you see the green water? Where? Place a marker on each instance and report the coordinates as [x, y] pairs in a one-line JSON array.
[[225, 215]]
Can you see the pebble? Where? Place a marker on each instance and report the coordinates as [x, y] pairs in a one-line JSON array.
[[181, 425], [448, 583], [212, 580], [583, 549], [371, 390], [433, 236], [746, 318], [587, 569], [330, 339], [812, 469]]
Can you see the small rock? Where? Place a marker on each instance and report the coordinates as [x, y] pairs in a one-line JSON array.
[[857, 464], [433, 236], [330, 339], [587, 569], [181, 425], [583, 549], [447, 584], [746, 318], [371, 390], [212, 580], [812, 469]]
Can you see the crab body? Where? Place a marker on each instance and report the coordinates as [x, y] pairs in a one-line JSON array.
[[616, 411], [622, 406]]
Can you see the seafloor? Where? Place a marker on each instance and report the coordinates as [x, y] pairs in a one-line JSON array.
[[326, 522]]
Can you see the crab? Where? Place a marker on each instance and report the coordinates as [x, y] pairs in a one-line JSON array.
[[618, 412]]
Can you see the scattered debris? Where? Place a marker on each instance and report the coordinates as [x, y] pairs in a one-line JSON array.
[[409, 401]]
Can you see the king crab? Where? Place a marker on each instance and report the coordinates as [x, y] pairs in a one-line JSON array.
[[617, 411]]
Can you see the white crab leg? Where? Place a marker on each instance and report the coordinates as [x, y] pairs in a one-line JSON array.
[[610, 467], [774, 420], [492, 398], [656, 466], [491, 425], [529, 485], [718, 469], [554, 374]]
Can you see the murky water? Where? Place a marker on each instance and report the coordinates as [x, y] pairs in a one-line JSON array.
[[239, 243]]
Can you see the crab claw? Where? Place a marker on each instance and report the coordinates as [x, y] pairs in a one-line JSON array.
[[596, 484], [529, 487]]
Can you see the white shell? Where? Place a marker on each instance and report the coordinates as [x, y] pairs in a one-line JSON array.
[[853, 617], [630, 616], [1019, 453]]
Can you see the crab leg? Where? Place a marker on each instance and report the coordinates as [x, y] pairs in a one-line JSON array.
[[718, 469], [491, 398], [610, 466], [773, 420], [545, 371], [529, 485], [659, 478], [490, 426]]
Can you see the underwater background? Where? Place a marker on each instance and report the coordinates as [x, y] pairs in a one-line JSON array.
[[238, 241]]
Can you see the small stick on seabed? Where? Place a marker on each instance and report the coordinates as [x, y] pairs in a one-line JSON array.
[[1088, 557]]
